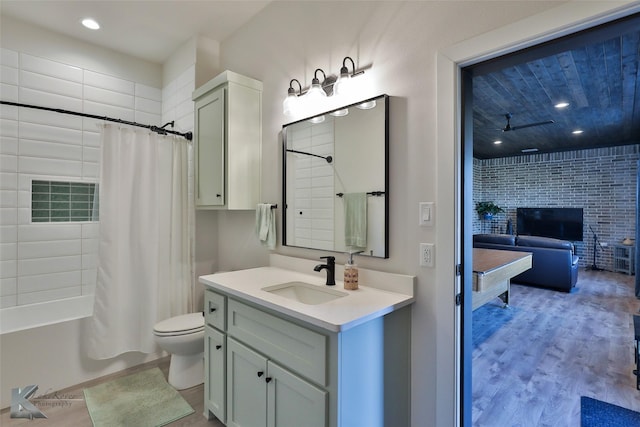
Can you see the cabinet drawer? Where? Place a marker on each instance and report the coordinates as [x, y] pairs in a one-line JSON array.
[[214, 309], [296, 347]]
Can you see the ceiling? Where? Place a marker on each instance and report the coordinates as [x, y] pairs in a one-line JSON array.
[[151, 30], [597, 72]]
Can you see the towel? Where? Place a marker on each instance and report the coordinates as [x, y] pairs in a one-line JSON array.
[[266, 225], [355, 220]]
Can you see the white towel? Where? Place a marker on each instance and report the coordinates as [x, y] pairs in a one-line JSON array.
[[266, 225]]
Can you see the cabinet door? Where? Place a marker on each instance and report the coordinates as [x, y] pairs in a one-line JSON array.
[[293, 402], [246, 386], [210, 149], [214, 373]]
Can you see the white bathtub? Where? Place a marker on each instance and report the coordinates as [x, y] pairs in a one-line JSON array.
[[22, 317]]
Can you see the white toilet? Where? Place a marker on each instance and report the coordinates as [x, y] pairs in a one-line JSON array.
[[183, 337]]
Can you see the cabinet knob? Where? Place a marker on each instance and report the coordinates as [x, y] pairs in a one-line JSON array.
[[260, 373], [212, 309], [218, 347], [268, 379]]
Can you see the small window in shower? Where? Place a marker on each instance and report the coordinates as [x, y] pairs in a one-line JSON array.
[[58, 201]]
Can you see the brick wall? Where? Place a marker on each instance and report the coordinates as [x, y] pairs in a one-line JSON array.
[[601, 181]]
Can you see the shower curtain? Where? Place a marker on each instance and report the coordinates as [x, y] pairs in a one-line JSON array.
[[144, 259]]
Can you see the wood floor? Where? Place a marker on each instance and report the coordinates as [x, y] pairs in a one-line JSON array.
[[555, 347], [74, 413]]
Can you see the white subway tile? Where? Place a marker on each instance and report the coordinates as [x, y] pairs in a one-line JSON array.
[[49, 232], [9, 93], [8, 216], [8, 233], [101, 109], [8, 301], [323, 181], [148, 106], [109, 97], [322, 235], [9, 128], [149, 119], [49, 265], [8, 269], [52, 100], [9, 76], [90, 170], [185, 124], [323, 213], [91, 137], [9, 57], [24, 199], [148, 92], [46, 282], [8, 251], [44, 296], [8, 181], [50, 150], [8, 198], [323, 192], [62, 168], [24, 216], [107, 82], [50, 68], [90, 246], [89, 277], [8, 286], [33, 250], [50, 118], [325, 203], [50, 84], [89, 261], [88, 289], [322, 129], [90, 154], [90, 230], [8, 112], [8, 145]]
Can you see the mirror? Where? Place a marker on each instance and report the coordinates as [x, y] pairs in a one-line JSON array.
[[335, 180]]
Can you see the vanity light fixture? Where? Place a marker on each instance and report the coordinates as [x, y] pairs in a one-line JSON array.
[[292, 102], [340, 113], [90, 23], [367, 105], [561, 105], [577, 131], [342, 86], [317, 119]]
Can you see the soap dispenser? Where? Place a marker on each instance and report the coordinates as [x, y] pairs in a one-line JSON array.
[[351, 273]]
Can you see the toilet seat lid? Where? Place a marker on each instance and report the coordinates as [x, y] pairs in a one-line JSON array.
[[183, 323]]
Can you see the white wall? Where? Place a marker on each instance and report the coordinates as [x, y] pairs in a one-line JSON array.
[[400, 40]]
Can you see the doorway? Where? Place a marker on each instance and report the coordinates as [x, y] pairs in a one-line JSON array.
[[529, 32]]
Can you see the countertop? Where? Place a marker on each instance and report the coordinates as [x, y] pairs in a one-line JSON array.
[[359, 306]]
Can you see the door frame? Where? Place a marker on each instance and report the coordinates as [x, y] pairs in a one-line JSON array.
[[454, 185]]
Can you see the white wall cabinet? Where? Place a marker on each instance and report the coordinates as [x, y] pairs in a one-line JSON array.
[[228, 142], [283, 372]]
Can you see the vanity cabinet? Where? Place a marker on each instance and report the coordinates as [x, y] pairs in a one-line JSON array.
[[228, 140], [284, 372]]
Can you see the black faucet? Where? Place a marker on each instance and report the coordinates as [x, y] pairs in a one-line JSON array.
[[330, 266]]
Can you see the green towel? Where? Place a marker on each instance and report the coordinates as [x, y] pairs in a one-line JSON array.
[[355, 219]]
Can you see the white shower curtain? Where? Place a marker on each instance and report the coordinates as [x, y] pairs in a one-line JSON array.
[[144, 259]]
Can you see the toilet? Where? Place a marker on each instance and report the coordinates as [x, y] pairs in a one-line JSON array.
[[183, 337]]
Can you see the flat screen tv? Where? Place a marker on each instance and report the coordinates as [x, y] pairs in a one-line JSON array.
[[559, 223]]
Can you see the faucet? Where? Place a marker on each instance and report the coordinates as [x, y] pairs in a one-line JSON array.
[[330, 266]]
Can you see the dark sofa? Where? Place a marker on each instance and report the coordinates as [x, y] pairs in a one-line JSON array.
[[554, 264]]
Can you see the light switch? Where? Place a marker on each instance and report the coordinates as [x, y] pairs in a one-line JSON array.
[[426, 213]]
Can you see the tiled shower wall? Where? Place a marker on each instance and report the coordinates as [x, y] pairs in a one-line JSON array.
[[601, 181], [48, 261]]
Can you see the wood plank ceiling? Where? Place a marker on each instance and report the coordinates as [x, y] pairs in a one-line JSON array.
[[600, 79]]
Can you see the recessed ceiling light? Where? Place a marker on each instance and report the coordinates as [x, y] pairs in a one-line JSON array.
[[90, 24], [497, 142], [562, 105], [577, 131], [529, 150]]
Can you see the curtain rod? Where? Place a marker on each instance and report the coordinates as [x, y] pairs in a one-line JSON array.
[[161, 130]]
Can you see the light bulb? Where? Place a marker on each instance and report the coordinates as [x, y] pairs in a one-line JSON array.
[[291, 104]]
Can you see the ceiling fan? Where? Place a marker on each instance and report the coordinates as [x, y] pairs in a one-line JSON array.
[[508, 126]]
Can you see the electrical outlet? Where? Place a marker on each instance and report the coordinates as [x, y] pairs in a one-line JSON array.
[[427, 254]]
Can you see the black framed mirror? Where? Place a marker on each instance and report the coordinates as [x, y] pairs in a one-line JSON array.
[[336, 180]]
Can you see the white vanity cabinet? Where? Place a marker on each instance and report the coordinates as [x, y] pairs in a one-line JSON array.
[[228, 140], [280, 371]]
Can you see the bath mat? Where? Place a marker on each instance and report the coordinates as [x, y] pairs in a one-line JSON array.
[[595, 413], [141, 399]]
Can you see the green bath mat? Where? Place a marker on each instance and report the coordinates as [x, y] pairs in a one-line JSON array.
[[141, 399]]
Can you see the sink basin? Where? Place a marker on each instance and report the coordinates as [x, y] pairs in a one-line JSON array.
[[305, 293]]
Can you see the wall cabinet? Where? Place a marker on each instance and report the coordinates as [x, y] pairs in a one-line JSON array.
[[228, 141], [277, 371]]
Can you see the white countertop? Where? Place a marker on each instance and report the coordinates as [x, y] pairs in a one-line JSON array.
[[359, 306]]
